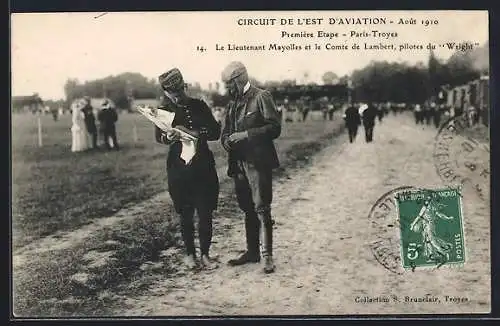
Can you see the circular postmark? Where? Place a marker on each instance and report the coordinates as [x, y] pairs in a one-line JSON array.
[[462, 154], [385, 236]]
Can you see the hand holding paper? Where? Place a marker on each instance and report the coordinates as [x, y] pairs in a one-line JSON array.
[[173, 135], [163, 120]]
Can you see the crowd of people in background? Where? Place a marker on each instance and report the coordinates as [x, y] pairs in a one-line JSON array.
[[91, 124], [84, 125], [432, 113], [426, 114], [299, 110]]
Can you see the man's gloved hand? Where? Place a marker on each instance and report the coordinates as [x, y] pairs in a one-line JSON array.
[[226, 144], [173, 135], [237, 137]]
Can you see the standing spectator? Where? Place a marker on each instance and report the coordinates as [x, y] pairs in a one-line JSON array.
[[331, 110], [437, 115], [418, 114], [369, 114], [324, 110], [280, 108], [430, 109], [352, 120], [290, 112], [107, 119], [380, 112], [305, 110], [471, 115], [78, 133], [88, 111], [391, 107], [55, 113], [286, 109]]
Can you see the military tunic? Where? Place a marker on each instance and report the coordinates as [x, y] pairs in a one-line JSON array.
[[193, 185]]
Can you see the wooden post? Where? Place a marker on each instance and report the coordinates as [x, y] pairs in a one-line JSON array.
[[134, 131], [40, 143], [131, 105]]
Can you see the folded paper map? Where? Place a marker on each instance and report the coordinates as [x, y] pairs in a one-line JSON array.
[[163, 120]]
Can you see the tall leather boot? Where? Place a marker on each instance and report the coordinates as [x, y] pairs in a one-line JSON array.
[[267, 242], [252, 255], [252, 231], [187, 231]]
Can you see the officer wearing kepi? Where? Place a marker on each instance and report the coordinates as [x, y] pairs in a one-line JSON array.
[[192, 185], [251, 124]]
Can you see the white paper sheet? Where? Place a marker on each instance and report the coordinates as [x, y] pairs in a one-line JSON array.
[[163, 120]]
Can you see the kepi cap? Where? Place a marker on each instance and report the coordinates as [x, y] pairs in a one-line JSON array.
[[171, 80]]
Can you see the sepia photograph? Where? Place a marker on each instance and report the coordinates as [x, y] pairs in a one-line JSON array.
[[250, 163]]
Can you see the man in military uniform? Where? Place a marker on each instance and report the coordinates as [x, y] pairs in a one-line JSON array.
[[192, 185], [251, 124]]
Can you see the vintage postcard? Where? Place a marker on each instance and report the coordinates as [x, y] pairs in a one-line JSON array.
[[341, 163]]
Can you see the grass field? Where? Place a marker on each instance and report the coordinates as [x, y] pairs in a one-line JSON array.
[[54, 189]]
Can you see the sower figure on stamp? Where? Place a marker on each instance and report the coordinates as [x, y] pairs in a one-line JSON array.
[[192, 182], [425, 222], [252, 123]]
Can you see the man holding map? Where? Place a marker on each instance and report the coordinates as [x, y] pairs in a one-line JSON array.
[[252, 123], [192, 179]]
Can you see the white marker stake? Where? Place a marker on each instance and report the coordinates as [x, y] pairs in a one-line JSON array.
[[39, 132], [134, 130]]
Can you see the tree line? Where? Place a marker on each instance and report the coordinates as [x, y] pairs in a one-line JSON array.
[[380, 81], [120, 88]]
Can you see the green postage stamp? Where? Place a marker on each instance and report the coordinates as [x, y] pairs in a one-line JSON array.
[[431, 227]]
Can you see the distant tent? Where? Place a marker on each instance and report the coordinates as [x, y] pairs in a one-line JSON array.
[[311, 91], [32, 103], [146, 101]]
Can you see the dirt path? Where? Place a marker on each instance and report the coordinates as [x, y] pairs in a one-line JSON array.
[[322, 234]]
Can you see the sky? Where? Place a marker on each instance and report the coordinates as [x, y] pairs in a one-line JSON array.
[[49, 48]]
